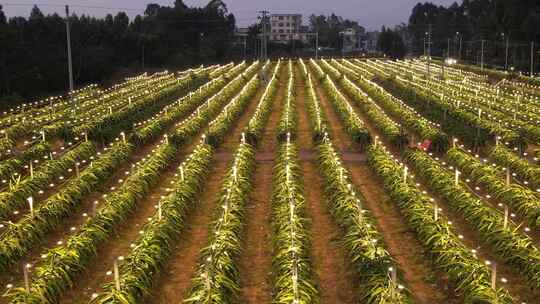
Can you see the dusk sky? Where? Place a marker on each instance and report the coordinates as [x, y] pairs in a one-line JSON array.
[[370, 13]]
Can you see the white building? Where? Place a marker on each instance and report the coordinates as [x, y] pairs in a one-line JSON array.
[[286, 27], [352, 39]]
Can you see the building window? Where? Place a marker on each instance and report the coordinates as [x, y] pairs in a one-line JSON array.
[[280, 17], [281, 24], [281, 31], [275, 37]]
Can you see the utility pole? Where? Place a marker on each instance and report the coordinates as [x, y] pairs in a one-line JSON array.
[[460, 41], [482, 56], [142, 59], [447, 58], [506, 53], [70, 67], [342, 44], [429, 51], [532, 58], [293, 44], [317, 45], [264, 23]]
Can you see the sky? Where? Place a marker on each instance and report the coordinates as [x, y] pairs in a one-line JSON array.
[[371, 14]]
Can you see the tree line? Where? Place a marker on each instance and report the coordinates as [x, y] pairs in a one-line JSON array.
[[33, 56], [470, 31], [460, 30]]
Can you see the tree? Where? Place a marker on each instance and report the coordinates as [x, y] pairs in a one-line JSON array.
[[33, 53], [493, 21], [391, 44], [217, 5], [120, 23], [179, 4], [2, 16], [329, 28], [152, 10], [36, 13]]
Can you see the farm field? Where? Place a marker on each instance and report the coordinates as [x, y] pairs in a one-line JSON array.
[[288, 181]]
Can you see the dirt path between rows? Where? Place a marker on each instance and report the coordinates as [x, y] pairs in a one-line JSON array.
[[80, 215], [119, 244], [516, 284], [399, 237], [334, 275], [175, 280], [255, 261]]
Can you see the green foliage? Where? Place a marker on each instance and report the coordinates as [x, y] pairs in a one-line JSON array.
[[508, 243], [186, 104], [254, 129], [470, 275], [499, 103], [292, 272], [176, 112], [216, 279], [11, 134], [62, 264], [212, 107], [363, 242], [454, 120], [388, 128], [319, 72], [221, 124], [34, 48], [16, 164], [287, 127], [396, 108], [109, 125], [353, 124], [20, 237], [318, 120], [524, 201], [525, 170], [329, 27], [458, 99], [45, 174], [391, 44], [153, 248], [477, 20]]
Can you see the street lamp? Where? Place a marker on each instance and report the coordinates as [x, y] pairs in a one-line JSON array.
[[425, 44], [506, 50], [460, 43]]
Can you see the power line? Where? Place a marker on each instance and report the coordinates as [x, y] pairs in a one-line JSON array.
[[73, 5]]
